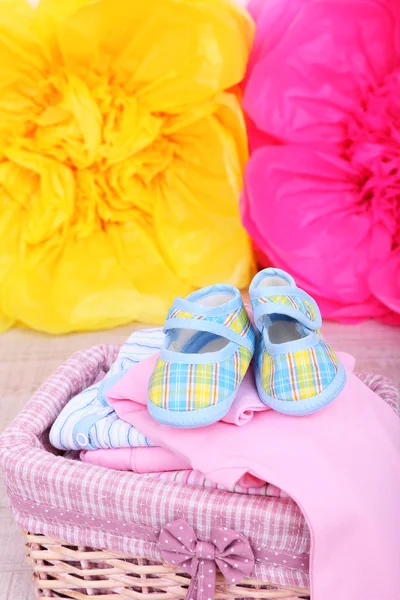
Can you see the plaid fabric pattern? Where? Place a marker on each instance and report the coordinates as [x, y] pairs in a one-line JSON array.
[[183, 387], [238, 321], [297, 375], [303, 306], [90, 506]]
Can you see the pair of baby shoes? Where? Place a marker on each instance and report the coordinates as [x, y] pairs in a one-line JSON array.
[[210, 343]]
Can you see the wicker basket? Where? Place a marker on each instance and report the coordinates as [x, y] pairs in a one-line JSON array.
[[110, 522], [64, 571]]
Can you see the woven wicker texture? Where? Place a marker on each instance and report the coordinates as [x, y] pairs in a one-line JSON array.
[[65, 571], [27, 358]]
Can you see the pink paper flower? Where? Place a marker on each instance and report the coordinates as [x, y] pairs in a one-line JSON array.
[[322, 190]]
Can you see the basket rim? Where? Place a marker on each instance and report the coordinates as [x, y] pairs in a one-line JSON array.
[[33, 474]]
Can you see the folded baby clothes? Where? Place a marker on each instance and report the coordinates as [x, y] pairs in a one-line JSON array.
[[138, 460], [341, 466], [193, 477], [88, 421], [164, 464]]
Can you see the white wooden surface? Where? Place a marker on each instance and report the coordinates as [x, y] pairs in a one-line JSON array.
[[27, 358]]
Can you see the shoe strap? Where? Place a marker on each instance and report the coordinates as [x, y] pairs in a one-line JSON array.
[[234, 325], [286, 300]]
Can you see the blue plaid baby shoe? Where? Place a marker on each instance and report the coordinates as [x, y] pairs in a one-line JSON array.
[[297, 372], [208, 347]]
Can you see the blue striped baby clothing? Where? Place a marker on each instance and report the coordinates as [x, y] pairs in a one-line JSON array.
[[87, 422]]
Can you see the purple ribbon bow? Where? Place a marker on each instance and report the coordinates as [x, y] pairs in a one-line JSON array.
[[228, 550]]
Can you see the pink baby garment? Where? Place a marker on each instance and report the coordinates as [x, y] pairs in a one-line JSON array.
[[138, 460], [341, 465], [192, 477], [130, 387]]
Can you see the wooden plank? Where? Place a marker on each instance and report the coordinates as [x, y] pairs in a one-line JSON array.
[[20, 587]]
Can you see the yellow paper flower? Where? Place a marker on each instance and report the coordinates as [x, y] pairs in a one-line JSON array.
[[122, 147]]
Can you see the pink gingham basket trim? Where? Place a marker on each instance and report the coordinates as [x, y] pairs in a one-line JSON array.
[[60, 498]]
